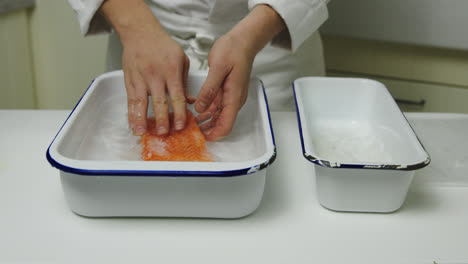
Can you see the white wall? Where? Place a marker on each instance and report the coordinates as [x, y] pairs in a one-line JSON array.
[[16, 76], [45, 62], [438, 23], [64, 62]]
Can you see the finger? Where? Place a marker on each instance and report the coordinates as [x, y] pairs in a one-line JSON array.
[[209, 90], [214, 107], [175, 87], [211, 123], [224, 123], [140, 105], [130, 99], [188, 96], [215, 112], [160, 106], [231, 103], [207, 114], [203, 116]]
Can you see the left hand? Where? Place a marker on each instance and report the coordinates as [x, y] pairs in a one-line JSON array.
[[231, 57], [225, 90]]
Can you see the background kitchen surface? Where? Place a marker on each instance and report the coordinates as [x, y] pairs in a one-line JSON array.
[[45, 63]]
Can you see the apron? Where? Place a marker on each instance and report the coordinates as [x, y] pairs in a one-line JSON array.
[[276, 67]]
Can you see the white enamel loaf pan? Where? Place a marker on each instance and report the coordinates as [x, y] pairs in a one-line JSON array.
[[102, 175], [364, 151]]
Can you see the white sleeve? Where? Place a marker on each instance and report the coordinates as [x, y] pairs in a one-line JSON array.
[[91, 21], [302, 18]]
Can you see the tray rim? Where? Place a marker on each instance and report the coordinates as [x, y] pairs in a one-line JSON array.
[[337, 165]]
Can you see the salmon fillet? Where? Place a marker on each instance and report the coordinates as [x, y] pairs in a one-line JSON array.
[[186, 145]]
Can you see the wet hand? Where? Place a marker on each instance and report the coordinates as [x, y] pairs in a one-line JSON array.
[[230, 60], [153, 64], [225, 89]]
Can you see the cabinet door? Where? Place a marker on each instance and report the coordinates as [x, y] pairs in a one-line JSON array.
[[396, 61], [415, 96], [424, 97]]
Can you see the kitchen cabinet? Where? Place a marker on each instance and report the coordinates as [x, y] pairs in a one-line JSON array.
[[414, 96], [411, 73]]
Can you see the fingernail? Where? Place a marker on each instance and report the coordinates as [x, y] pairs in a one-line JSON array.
[[139, 131], [162, 130], [179, 124], [202, 104]]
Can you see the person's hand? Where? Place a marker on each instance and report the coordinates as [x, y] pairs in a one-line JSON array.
[[226, 87], [153, 64]]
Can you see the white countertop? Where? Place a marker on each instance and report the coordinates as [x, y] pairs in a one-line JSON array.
[[289, 226]]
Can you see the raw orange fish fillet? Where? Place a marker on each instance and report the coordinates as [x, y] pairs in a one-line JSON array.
[[186, 145]]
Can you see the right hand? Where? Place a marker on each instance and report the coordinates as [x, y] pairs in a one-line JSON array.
[[153, 64]]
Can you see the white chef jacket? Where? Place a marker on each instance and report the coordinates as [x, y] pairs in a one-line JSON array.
[[196, 24]]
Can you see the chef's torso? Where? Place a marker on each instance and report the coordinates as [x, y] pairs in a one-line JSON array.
[[212, 10]]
